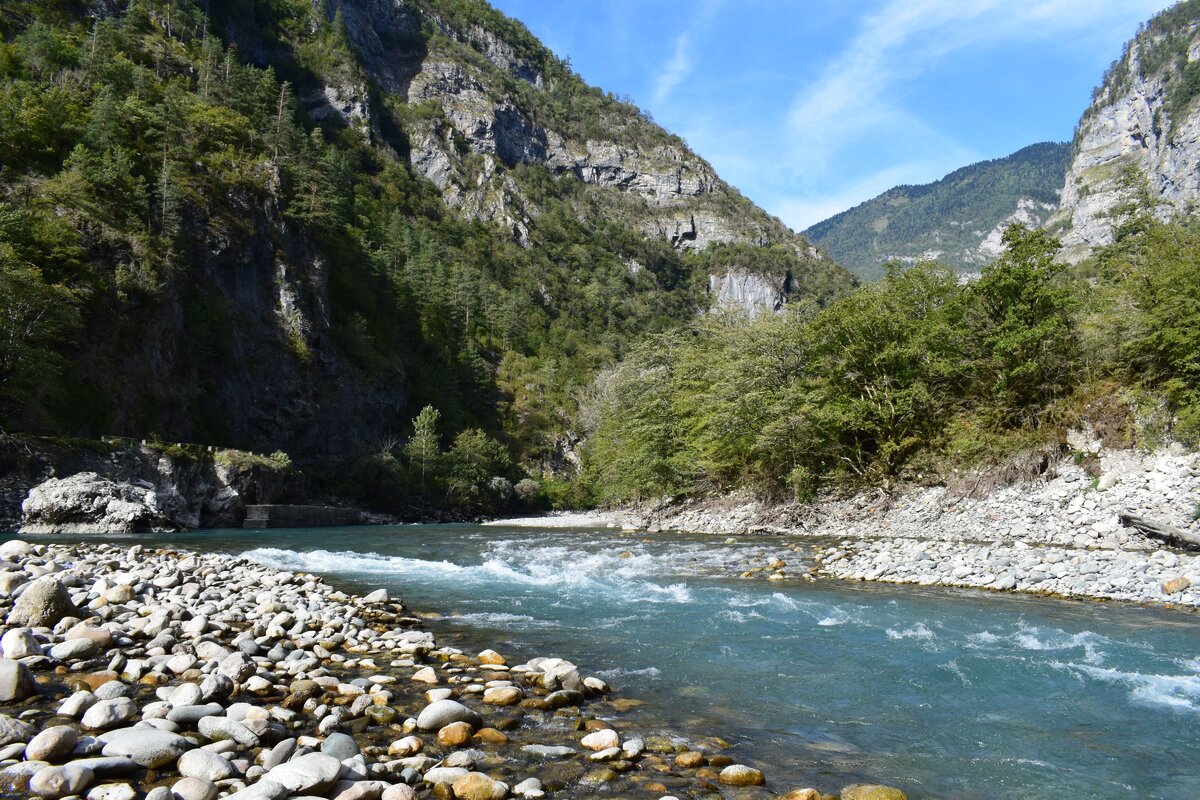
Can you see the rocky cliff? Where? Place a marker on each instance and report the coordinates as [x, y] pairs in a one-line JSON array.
[[1137, 145], [51, 486], [491, 99], [290, 226]]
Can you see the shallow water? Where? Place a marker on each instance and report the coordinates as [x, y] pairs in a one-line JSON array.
[[945, 693]]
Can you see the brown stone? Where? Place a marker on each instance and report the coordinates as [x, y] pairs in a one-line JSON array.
[[872, 791], [1175, 585], [596, 725], [490, 736], [502, 696], [657, 788], [508, 723], [558, 776], [689, 760], [655, 763], [101, 636], [625, 704], [535, 704], [741, 775], [95, 680], [718, 761], [477, 786], [705, 772], [802, 794], [456, 734], [491, 657]]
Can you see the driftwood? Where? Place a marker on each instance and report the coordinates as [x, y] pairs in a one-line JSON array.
[[1174, 537]]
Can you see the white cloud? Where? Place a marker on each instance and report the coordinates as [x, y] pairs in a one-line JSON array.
[[681, 64], [678, 68], [857, 106]]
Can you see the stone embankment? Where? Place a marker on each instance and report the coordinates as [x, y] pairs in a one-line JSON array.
[[135, 673], [1059, 534]]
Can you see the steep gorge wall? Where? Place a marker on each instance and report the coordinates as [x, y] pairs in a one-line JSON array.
[[487, 108], [238, 348], [1138, 145]]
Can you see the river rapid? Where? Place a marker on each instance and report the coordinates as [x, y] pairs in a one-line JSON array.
[[944, 693]]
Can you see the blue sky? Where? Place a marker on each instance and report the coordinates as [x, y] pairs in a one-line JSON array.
[[813, 106]]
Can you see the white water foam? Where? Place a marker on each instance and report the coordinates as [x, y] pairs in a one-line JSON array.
[[739, 617], [982, 639], [550, 567], [952, 667], [624, 672], [1043, 640], [918, 631], [500, 619], [1173, 691], [562, 520]]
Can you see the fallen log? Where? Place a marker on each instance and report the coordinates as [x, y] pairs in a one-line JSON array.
[[1174, 537]]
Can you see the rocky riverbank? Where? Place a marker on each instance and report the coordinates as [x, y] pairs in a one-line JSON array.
[[131, 673], [124, 486], [1057, 534]]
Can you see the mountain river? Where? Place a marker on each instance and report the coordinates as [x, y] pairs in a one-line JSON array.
[[943, 693]]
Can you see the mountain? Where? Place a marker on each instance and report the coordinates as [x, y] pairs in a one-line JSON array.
[[957, 220], [289, 225], [1137, 144]]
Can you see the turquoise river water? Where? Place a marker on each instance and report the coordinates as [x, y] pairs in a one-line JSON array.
[[944, 693]]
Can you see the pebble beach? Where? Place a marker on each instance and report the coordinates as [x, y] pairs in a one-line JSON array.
[[1058, 535], [130, 672]]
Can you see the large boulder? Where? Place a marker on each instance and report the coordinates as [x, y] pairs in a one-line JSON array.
[[314, 773], [145, 746], [16, 681], [42, 605], [88, 503], [441, 713], [14, 730]]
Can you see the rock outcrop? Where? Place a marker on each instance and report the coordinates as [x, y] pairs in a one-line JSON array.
[[758, 293], [134, 488], [489, 106], [1137, 145], [88, 503]]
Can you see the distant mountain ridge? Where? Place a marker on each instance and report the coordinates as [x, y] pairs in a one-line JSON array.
[[956, 221]]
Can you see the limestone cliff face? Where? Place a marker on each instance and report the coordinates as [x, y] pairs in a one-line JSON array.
[[487, 106], [1138, 144]]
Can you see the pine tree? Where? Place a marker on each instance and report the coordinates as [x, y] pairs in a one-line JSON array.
[[422, 449]]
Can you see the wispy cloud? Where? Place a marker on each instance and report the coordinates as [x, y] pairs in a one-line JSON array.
[[678, 68], [682, 62], [859, 101]]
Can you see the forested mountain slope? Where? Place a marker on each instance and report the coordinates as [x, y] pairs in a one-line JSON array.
[[287, 225], [957, 221]]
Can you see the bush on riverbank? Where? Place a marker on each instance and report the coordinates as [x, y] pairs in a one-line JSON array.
[[419, 477], [912, 376]]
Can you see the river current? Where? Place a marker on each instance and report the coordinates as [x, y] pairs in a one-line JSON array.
[[943, 693]]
